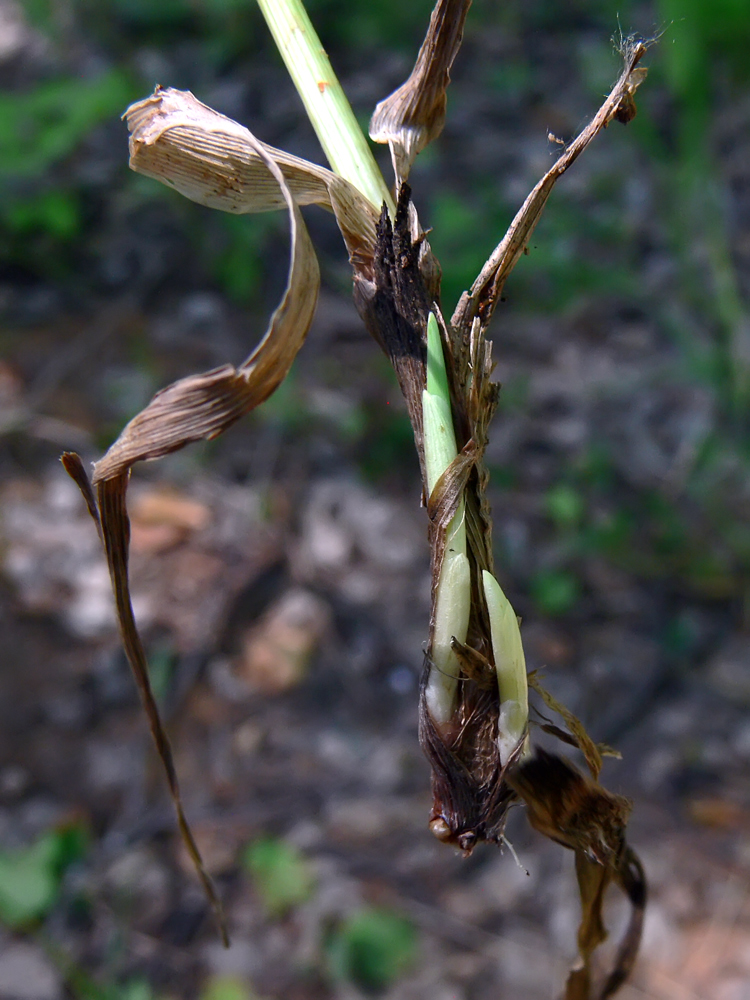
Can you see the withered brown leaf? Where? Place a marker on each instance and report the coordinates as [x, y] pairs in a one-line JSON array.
[[414, 115], [194, 408], [578, 813], [484, 294]]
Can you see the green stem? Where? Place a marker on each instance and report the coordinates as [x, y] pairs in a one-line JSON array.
[[329, 111], [453, 596], [510, 665]]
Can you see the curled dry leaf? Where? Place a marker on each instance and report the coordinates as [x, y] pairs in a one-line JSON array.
[[194, 408], [578, 735], [217, 162], [201, 407], [412, 116]]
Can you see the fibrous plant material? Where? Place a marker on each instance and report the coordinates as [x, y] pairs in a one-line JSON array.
[[474, 724]]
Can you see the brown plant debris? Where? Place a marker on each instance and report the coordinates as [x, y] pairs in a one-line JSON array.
[[578, 813], [484, 294], [219, 163], [414, 115], [109, 512], [196, 408]]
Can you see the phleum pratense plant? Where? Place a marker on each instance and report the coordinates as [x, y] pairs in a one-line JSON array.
[[474, 715]]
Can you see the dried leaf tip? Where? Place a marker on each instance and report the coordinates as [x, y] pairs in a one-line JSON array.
[[414, 114], [632, 51]]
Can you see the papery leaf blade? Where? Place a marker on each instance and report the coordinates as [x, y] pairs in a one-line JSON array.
[[414, 115]]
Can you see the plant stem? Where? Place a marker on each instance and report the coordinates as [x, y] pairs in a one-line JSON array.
[[330, 113]]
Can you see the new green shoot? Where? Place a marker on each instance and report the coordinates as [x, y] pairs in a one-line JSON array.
[[510, 665], [453, 599]]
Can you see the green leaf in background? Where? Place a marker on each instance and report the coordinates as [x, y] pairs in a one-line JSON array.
[[45, 124], [555, 591], [161, 667], [564, 505], [56, 212], [226, 988], [238, 263], [371, 949], [134, 989], [30, 876], [462, 234], [281, 875]]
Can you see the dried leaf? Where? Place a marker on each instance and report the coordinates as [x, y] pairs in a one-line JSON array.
[[486, 290], [198, 407], [446, 495], [217, 162], [475, 665], [559, 734], [109, 512], [581, 738], [569, 808], [578, 813], [631, 878], [414, 115]]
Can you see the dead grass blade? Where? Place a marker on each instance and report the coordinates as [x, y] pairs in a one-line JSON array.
[[448, 490], [578, 735], [412, 116], [631, 878], [486, 290], [578, 813], [109, 511], [217, 162], [198, 407]]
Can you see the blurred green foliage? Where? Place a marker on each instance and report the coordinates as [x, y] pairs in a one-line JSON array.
[[45, 124], [564, 506], [31, 877], [281, 876], [705, 41], [555, 592], [371, 949], [83, 987], [387, 23], [41, 206], [702, 544], [226, 988], [134, 989], [238, 263], [706, 69], [387, 445], [162, 658], [463, 230]]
